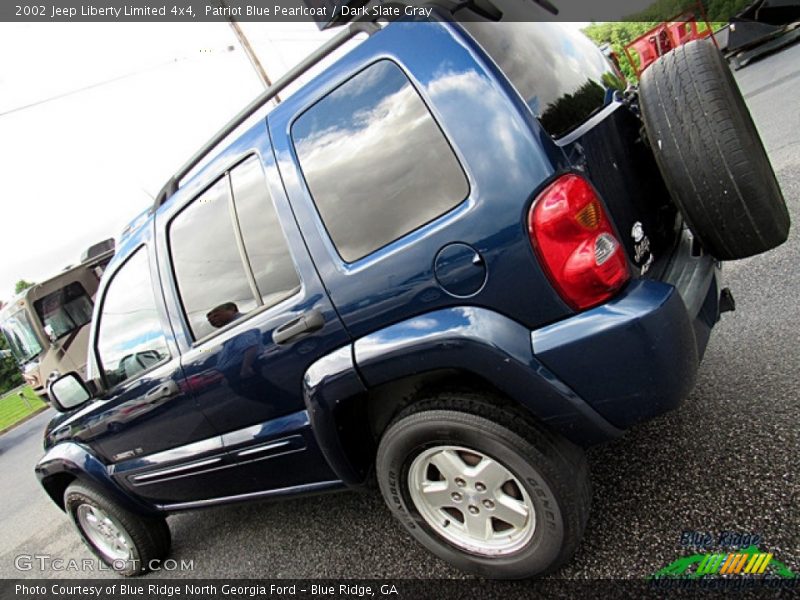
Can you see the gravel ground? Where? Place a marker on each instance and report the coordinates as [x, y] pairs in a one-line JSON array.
[[726, 461]]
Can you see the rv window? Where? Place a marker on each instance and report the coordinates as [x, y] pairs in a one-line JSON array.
[[21, 339], [65, 310]]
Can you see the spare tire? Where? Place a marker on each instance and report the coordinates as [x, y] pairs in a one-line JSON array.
[[710, 154]]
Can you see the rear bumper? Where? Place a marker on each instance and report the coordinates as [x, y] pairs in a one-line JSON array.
[[637, 356]]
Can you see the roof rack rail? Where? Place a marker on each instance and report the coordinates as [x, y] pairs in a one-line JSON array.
[[348, 33]]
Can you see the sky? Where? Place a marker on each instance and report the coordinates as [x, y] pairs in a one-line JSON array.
[[95, 117]]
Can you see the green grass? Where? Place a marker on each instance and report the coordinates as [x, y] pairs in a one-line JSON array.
[[13, 408]]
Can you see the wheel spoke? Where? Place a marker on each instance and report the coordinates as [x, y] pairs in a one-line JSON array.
[[477, 526], [490, 473], [436, 493], [472, 500], [449, 464], [511, 511], [109, 539], [121, 545]]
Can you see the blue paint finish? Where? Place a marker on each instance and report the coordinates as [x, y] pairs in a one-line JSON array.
[[460, 89], [79, 461], [262, 432], [232, 464], [296, 490], [488, 345], [245, 413], [331, 388], [199, 449], [460, 270], [301, 426], [630, 359]]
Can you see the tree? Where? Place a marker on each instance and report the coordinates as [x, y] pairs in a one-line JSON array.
[[22, 285], [620, 33]]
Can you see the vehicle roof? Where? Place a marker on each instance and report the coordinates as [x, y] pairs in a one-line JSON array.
[[348, 32]]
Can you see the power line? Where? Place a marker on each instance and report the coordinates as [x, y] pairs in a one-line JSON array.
[[96, 85], [86, 88]]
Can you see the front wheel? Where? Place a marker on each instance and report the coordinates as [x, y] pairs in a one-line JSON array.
[[483, 489], [126, 542]]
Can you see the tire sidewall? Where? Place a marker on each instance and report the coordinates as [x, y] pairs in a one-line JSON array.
[[408, 438], [79, 496]]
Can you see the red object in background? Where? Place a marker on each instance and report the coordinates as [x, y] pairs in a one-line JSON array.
[[682, 28]]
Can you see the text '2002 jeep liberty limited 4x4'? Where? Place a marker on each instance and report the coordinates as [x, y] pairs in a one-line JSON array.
[[452, 259]]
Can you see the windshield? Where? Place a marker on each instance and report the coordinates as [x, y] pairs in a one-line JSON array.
[[64, 310], [20, 336]]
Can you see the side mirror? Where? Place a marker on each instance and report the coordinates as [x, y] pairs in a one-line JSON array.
[[68, 391]]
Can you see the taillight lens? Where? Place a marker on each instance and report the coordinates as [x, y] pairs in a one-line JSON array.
[[573, 238]]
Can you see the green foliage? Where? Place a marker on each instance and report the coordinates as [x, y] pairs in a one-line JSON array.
[[620, 33], [22, 285], [10, 376], [573, 108], [716, 10]]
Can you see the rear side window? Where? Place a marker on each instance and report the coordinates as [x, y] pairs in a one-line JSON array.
[[375, 161], [229, 253], [206, 259], [559, 72], [130, 339], [267, 250]]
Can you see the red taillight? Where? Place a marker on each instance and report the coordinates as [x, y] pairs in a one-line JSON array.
[[573, 238]]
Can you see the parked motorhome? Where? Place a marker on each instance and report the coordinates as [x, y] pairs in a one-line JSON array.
[[47, 325]]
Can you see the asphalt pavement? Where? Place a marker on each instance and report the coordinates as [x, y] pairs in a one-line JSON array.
[[726, 461]]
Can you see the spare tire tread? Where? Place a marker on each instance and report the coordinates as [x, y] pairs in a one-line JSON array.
[[710, 153]]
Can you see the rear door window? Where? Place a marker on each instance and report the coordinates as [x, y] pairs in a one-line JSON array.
[[265, 245], [560, 73], [205, 256], [229, 253], [375, 161]]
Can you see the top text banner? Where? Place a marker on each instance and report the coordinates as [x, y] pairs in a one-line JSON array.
[[326, 12]]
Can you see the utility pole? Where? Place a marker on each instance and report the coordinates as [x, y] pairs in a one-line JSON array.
[[251, 55]]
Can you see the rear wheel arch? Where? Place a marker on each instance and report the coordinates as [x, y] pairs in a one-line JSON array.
[[387, 401], [349, 432]]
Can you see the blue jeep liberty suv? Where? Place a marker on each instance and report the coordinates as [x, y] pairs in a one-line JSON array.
[[457, 256]]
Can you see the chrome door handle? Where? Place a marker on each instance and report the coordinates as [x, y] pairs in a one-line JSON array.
[[305, 323]]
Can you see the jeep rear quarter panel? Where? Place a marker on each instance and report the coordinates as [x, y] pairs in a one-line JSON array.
[[503, 152]]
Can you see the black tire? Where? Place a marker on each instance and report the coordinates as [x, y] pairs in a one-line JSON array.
[[149, 536], [552, 470], [710, 153]]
